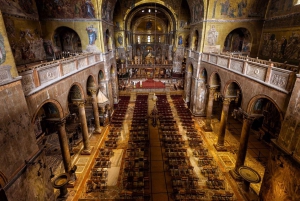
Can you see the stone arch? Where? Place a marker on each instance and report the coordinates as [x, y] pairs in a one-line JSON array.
[[101, 75], [76, 92], [203, 74], [272, 115], [108, 40], [65, 39], [238, 40], [254, 99], [231, 87], [195, 40], [112, 69], [91, 83], [47, 110], [215, 79], [53, 102]]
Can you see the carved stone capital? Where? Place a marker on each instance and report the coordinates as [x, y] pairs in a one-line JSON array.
[[57, 121], [226, 100], [79, 103], [61, 123], [246, 117], [93, 90]]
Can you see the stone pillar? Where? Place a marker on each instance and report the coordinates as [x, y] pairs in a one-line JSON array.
[[221, 137], [247, 122], [209, 109], [93, 91], [64, 145], [85, 134]]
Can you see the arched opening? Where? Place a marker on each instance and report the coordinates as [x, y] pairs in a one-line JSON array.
[[195, 40], [42, 127], [269, 124], [90, 84], [215, 82], [107, 41], [100, 75], [187, 41], [238, 40], [66, 40], [74, 128]]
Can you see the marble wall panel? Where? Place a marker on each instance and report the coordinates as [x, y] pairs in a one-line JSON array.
[[82, 63], [222, 62], [48, 74], [256, 72], [213, 59], [236, 66]]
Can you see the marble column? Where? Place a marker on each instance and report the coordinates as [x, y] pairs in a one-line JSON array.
[[209, 109], [221, 136], [85, 134], [93, 91], [64, 145], [247, 122]]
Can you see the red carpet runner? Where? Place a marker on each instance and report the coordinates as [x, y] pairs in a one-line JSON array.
[[150, 84]]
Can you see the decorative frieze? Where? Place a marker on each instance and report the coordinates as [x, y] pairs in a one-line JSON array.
[[279, 79], [48, 74], [256, 72]]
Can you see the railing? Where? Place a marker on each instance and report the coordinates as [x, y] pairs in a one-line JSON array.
[[258, 70], [261, 61], [35, 77], [150, 65]]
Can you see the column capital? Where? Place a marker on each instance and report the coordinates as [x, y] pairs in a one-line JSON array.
[[93, 90], [248, 117], [212, 86], [57, 121], [79, 102], [227, 100]]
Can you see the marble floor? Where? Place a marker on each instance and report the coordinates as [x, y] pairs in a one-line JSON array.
[[160, 180]]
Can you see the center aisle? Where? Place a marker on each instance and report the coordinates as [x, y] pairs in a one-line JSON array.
[[158, 176]]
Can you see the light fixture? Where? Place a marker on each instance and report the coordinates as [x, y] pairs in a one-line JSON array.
[[149, 10], [143, 11]]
